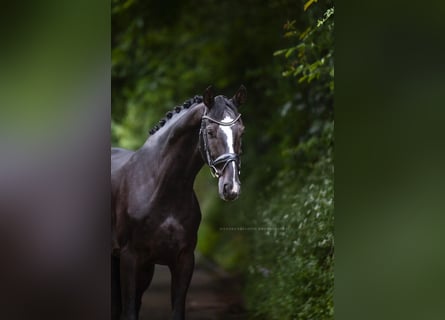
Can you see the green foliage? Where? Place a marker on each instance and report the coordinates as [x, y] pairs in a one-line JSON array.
[[291, 268], [312, 58]]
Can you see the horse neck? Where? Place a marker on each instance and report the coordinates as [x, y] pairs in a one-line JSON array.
[[176, 149]]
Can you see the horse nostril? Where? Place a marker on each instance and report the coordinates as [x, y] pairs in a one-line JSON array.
[[225, 188], [229, 193]]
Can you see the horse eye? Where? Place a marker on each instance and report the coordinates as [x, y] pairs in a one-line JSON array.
[[211, 133]]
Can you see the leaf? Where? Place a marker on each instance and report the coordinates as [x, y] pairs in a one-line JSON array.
[[289, 25], [298, 70], [286, 73], [289, 34], [308, 4], [289, 52], [329, 12], [278, 52], [305, 33]]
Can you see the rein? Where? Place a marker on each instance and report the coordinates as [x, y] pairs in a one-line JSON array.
[[225, 158]]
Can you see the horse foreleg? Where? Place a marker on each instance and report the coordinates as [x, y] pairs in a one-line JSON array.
[[181, 274], [116, 306], [144, 277], [128, 276], [135, 278]]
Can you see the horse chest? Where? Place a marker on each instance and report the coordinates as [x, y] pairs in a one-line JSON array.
[[168, 239], [170, 231]]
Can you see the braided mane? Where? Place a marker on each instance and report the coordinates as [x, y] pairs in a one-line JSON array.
[[187, 104]]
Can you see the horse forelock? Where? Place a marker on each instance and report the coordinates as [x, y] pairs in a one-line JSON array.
[[220, 107]]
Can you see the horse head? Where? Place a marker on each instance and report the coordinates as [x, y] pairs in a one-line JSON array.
[[220, 140]]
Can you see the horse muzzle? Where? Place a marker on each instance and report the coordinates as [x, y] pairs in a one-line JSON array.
[[228, 190], [231, 192]]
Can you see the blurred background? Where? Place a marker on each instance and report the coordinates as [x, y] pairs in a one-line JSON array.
[[54, 160], [277, 238], [389, 178]]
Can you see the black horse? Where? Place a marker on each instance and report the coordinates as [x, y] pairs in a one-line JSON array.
[[155, 212]]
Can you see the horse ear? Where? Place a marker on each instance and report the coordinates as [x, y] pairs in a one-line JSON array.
[[208, 97], [240, 96]]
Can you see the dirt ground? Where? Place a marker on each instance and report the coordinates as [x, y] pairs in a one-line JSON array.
[[211, 296]]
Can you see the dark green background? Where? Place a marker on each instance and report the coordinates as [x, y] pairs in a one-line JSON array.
[[279, 235]]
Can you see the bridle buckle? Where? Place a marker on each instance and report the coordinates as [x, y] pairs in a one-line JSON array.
[[214, 172]]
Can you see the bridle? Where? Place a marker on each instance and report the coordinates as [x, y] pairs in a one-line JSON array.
[[225, 158]]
